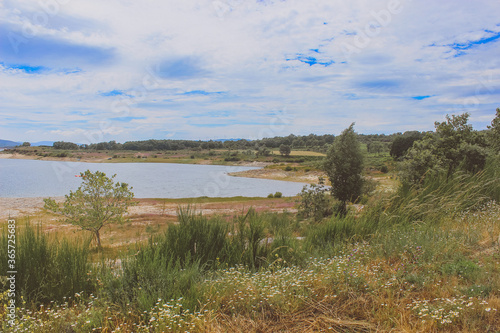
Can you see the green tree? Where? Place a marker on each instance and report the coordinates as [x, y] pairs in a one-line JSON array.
[[420, 160], [285, 150], [454, 145], [494, 132], [64, 145], [99, 201], [26, 144], [263, 151], [402, 143], [314, 202], [344, 165], [452, 135]]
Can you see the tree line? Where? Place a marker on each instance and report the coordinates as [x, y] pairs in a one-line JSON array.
[[376, 143]]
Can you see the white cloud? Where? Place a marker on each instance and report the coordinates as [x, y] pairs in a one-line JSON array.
[[261, 57]]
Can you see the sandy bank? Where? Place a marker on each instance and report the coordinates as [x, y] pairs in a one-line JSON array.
[[22, 207], [311, 177]]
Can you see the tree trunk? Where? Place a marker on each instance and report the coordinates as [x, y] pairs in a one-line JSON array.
[[343, 209], [98, 237]]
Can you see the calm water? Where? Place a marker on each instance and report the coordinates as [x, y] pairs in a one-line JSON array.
[[29, 178]]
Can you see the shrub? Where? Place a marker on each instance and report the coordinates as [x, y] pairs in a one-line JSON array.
[[315, 202], [278, 195]]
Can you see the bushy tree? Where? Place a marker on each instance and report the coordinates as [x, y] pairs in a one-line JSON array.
[[420, 161], [344, 167], [263, 151], [64, 145], [99, 201], [452, 135], [454, 145], [315, 202], [402, 143], [285, 150]]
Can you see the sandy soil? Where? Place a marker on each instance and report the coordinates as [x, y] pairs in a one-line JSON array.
[[90, 158], [21, 207], [158, 207], [291, 176]]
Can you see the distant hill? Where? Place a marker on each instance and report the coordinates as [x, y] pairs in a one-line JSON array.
[[224, 140], [42, 143], [7, 143]]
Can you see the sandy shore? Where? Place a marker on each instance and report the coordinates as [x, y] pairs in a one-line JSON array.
[[58, 159], [22, 207], [311, 177]]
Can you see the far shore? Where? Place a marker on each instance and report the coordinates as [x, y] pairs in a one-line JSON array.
[[93, 159], [311, 177]]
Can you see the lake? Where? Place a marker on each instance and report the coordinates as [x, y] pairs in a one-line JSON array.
[[32, 178]]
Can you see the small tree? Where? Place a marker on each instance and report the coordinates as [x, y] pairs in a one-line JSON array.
[[97, 202], [315, 202], [26, 144], [344, 165], [285, 150]]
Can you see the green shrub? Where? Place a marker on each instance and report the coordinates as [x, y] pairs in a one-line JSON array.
[[278, 195], [314, 202], [48, 269]]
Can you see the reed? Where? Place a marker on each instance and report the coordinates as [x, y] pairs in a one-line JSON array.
[[48, 268]]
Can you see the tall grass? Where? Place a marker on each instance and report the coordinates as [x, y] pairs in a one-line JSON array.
[[48, 268], [437, 199], [170, 264], [442, 195]]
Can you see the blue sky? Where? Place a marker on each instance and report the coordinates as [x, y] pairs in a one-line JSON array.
[[87, 71]]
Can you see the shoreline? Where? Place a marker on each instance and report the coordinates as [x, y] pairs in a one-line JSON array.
[[30, 206], [16, 156], [262, 173]]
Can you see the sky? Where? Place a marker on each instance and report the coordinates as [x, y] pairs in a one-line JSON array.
[[90, 70]]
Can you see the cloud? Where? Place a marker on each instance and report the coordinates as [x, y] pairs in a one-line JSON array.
[[180, 68], [121, 70]]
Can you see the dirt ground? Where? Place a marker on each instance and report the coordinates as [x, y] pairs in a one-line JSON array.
[[148, 217], [278, 174], [21, 207]]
